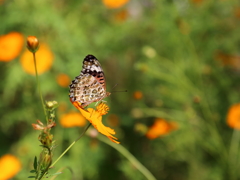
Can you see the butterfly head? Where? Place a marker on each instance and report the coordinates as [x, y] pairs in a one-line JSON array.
[[108, 94]]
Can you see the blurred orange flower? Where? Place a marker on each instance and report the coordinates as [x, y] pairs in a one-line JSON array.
[[62, 107], [232, 61], [237, 12], [113, 120], [233, 116], [160, 127], [121, 16], [44, 58], [11, 45], [114, 3], [63, 80], [9, 166], [72, 119], [137, 95], [197, 1], [95, 117]]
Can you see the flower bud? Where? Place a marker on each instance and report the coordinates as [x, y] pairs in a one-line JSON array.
[[45, 160], [46, 139], [51, 104], [32, 44]]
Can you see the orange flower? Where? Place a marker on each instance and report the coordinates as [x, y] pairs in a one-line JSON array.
[[63, 80], [114, 3], [137, 95], [62, 107], [72, 119], [197, 1], [160, 127], [113, 120], [9, 166], [237, 12], [44, 58], [121, 16], [95, 117], [233, 116], [228, 60], [11, 45]]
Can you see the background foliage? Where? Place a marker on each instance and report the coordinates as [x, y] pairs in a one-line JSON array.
[[182, 56]]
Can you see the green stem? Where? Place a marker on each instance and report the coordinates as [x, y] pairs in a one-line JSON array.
[[71, 145], [46, 169], [38, 85], [130, 157], [68, 148], [233, 153]]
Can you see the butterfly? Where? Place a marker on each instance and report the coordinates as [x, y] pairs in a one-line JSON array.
[[90, 85]]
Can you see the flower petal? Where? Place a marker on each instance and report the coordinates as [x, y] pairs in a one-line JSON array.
[[95, 117]]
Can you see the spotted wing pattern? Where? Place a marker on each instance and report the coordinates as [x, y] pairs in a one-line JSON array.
[[90, 85]]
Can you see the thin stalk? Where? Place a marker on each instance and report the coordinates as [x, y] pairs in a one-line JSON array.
[[233, 153], [130, 157], [84, 131], [46, 169], [71, 145], [38, 85], [205, 105]]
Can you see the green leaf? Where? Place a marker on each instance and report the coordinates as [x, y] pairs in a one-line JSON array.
[[35, 163], [55, 174], [31, 176], [33, 171]]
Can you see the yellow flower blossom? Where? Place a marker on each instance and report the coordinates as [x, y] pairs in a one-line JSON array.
[[44, 59], [9, 166], [72, 119], [95, 117]]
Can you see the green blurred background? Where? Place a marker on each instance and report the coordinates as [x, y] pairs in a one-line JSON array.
[[182, 55]]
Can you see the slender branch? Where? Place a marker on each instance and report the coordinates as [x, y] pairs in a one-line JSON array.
[[71, 145], [46, 169], [130, 157], [38, 85], [233, 154]]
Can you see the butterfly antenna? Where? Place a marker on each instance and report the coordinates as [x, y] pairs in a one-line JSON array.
[[114, 86], [117, 91]]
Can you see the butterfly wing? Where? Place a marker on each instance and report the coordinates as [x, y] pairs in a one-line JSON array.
[[90, 85]]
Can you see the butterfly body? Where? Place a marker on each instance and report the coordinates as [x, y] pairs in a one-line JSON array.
[[90, 85]]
